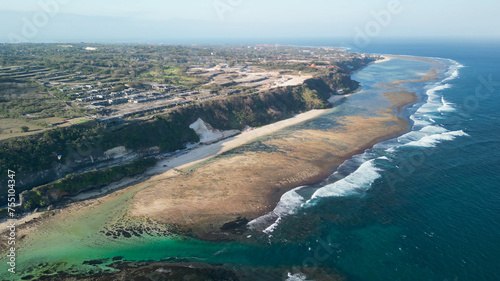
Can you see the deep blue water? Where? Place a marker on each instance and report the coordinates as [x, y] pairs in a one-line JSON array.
[[422, 206], [446, 213], [429, 205], [448, 210]]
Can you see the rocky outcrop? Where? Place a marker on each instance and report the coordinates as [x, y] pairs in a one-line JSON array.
[[208, 134]]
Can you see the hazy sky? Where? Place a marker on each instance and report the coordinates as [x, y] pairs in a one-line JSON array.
[[192, 20]]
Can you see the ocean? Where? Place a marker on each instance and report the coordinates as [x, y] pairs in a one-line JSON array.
[[424, 205]]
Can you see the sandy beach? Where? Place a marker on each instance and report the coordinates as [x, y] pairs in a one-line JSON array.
[[214, 184], [250, 184], [206, 152], [191, 158]]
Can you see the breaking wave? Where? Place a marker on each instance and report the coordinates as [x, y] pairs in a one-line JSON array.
[[358, 181], [358, 174]]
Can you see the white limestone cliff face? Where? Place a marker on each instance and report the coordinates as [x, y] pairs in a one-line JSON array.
[[116, 152], [208, 134]]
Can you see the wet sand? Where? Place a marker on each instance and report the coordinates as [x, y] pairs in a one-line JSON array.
[[204, 194], [206, 152], [250, 184], [191, 158]]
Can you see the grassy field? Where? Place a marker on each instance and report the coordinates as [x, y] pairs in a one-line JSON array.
[[52, 120], [8, 124], [78, 121], [10, 128]]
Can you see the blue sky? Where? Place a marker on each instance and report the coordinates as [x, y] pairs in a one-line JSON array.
[[192, 20]]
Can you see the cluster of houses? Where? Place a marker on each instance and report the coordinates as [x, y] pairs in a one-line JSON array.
[[119, 118], [102, 97], [173, 96]]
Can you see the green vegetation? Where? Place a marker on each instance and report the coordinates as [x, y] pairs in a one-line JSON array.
[[71, 185], [42, 80], [45, 80], [258, 109], [81, 121], [170, 132], [39, 152], [42, 85]]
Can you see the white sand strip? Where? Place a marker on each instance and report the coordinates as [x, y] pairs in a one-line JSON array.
[[206, 152]]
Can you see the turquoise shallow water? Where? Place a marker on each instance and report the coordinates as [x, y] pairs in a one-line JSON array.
[[422, 206]]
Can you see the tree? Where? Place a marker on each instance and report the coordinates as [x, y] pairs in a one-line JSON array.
[[24, 129]]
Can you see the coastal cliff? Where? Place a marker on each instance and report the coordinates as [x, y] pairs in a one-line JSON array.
[[88, 147]]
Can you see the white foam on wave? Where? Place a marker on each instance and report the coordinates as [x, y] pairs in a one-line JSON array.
[[359, 180], [420, 122], [296, 277], [447, 106], [429, 136], [432, 140], [453, 72], [272, 227], [391, 149], [433, 130], [417, 135], [410, 136], [435, 102], [424, 134], [433, 97], [424, 115], [289, 203]]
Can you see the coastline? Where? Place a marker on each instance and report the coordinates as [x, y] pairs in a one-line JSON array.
[[417, 205], [194, 203], [251, 184], [206, 152], [185, 187], [185, 161], [385, 58], [213, 197]]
